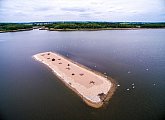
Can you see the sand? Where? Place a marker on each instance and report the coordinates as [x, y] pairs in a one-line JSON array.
[[93, 87]]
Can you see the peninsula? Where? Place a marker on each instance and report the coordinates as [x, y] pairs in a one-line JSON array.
[[94, 88]]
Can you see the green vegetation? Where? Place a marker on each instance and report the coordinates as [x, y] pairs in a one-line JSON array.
[[101, 25], [71, 25], [7, 27]]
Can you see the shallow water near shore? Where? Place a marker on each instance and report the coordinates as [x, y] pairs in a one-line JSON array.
[[29, 90]]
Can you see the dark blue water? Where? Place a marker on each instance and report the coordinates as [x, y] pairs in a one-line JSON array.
[[30, 91]]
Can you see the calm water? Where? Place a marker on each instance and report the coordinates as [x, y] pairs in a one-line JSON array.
[[30, 91]]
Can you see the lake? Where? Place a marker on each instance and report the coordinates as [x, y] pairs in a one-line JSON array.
[[30, 91]]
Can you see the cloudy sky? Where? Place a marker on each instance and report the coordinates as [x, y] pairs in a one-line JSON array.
[[82, 10]]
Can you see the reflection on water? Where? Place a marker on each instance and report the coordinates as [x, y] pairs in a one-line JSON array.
[[29, 90]]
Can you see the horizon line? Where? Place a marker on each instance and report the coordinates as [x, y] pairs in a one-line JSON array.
[[89, 21]]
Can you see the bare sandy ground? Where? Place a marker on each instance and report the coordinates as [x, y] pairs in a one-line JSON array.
[[93, 87]]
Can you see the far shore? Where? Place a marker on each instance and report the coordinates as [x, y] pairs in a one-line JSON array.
[[80, 26], [99, 29], [18, 30]]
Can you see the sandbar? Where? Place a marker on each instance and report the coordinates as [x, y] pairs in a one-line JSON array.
[[93, 87]]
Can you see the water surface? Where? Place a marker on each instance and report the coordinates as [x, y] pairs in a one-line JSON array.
[[30, 91]]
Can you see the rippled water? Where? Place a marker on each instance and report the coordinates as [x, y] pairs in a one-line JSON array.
[[30, 91]]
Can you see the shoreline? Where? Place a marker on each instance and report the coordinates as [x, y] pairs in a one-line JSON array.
[[99, 29], [92, 29], [89, 102], [19, 30]]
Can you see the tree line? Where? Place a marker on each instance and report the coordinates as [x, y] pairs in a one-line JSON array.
[[97, 25], [14, 26], [78, 25]]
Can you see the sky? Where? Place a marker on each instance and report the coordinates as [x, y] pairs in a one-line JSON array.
[[82, 10]]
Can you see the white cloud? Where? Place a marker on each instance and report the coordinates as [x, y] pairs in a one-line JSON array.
[[97, 10]]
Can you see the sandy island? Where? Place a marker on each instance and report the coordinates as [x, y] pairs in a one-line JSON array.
[[93, 87]]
